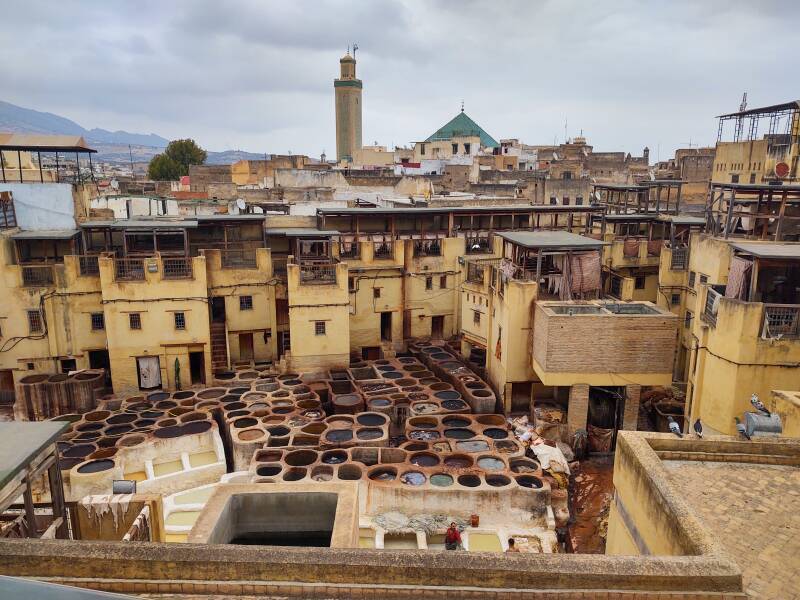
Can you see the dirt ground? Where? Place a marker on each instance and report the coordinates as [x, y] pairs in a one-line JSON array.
[[591, 491]]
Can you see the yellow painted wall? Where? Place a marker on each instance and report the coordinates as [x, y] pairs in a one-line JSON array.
[[787, 405]]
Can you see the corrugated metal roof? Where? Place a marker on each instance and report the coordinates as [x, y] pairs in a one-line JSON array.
[[769, 250], [45, 234], [551, 240], [141, 224], [44, 143], [764, 110]]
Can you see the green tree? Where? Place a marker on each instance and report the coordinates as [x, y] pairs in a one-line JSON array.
[[175, 160], [163, 168]]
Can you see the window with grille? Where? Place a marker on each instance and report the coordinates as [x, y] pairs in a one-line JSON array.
[[676, 299], [135, 320], [34, 321], [429, 283], [245, 303], [443, 282], [98, 321], [692, 276], [180, 320], [476, 317], [319, 327], [376, 292]]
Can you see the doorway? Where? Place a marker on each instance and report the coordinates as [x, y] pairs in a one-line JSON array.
[[606, 408], [437, 327], [197, 367], [284, 343], [370, 353], [98, 359], [149, 368], [217, 309], [386, 327], [6, 387], [246, 346]]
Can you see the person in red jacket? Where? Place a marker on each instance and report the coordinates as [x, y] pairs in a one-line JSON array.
[[452, 539]]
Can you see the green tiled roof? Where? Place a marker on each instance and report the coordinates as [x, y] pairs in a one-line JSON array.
[[462, 125]]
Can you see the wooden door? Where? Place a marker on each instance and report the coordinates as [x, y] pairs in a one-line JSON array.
[[246, 346]]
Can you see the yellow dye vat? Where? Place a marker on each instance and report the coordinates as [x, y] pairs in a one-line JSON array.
[[366, 542], [400, 541], [135, 476], [195, 496], [165, 468], [484, 542], [202, 459], [184, 518], [177, 538]]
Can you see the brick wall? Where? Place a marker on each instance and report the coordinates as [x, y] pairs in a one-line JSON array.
[[578, 409]]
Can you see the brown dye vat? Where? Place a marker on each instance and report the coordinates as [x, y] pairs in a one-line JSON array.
[[183, 395], [96, 466], [322, 473], [249, 435], [88, 436], [497, 480], [178, 411], [406, 381], [506, 447], [151, 414], [268, 470], [469, 480], [383, 474], [131, 440], [371, 419], [89, 427], [224, 376], [495, 433], [412, 388], [458, 461], [65, 464], [166, 404], [267, 387], [118, 430], [104, 453], [96, 415], [80, 451], [286, 376], [268, 455], [157, 396], [424, 375], [71, 418], [529, 481], [295, 474], [166, 422], [106, 442], [212, 393], [497, 420], [349, 473], [415, 446], [300, 458], [440, 386], [195, 427], [306, 440], [459, 434], [235, 406], [237, 413], [369, 434], [313, 428], [424, 459], [121, 419], [192, 416], [456, 422], [238, 391], [246, 375], [392, 374], [172, 431]]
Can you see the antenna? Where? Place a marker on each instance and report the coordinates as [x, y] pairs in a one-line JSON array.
[[743, 105], [565, 130], [355, 47], [690, 144], [462, 105], [348, 48]]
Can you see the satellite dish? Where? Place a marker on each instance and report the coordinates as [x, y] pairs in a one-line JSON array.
[[114, 184], [241, 203]]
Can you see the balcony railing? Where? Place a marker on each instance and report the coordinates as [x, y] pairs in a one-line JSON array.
[[89, 265], [383, 249], [680, 258], [711, 307], [317, 273], [129, 269], [478, 245], [781, 321], [236, 258], [279, 266], [427, 248], [177, 268], [37, 275], [350, 250]]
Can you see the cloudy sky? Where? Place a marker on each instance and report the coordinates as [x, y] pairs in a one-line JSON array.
[[258, 75]]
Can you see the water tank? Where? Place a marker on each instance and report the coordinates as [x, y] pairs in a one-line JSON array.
[[760, 425]]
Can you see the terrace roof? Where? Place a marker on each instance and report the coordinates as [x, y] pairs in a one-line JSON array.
[[551, 240]]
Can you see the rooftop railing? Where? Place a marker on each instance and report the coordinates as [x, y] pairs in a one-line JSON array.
[[237, 258], [781, 321], [129, 269], [383, 249], [177, 268], [317, 272]]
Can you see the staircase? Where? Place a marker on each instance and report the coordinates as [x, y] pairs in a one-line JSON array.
[[219, 347]]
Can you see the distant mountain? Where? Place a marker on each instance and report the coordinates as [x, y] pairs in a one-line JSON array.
[[111, 146], [25, 120]]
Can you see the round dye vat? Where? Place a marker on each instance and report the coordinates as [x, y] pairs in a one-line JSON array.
[[441, 356], [96, 466], [322, 474], [65, 464], [172, 431], [448, 395], [482, 393], [495, 433], [211, 393], [392, 374], [417, 396], [469, 480], [490, 463], [455, 422], [412, 478], [157, 396], [407, 360], [385, 368], [369, 434], [453, 405], [89, 427], [459, 434], [268, 470], [224, 376], [195, 427], [349, 473], [182, 395], [424, 425], [339, 435], [249, 435], [524, 465], [278, 431], [497, 480], [88, 436], [457, 462], [79, 451], [334, 458], [371, 420], [472, 446], [380, 402], [294, 474], [529, 481], [441, 480], [245, 422], [424, 408], [423, 436], [424, 460], [151, 414], [118, 430], [386, 474], [300, 458], [506, 447]]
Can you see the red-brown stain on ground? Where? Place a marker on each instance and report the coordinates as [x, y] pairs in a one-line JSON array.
[[591, 492]]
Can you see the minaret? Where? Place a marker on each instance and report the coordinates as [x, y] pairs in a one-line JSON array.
[[348, 108]]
